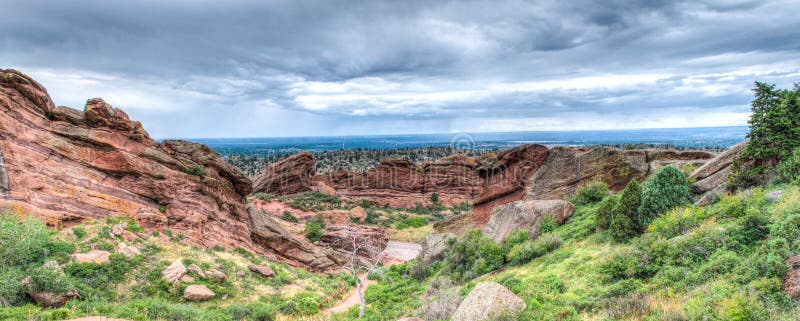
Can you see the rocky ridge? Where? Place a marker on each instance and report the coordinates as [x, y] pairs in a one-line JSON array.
[[66, 166]]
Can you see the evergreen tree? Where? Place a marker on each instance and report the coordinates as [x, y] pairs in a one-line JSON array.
[[605, 211], [774, 134], [667, 189], [623, 220]]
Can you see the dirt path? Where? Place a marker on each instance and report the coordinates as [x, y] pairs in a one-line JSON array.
[[396, 253], [351, 300]]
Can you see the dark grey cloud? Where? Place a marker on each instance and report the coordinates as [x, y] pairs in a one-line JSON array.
[[256, 68]]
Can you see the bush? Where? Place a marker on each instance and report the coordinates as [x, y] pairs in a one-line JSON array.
[[590, 193], [605, 211], [473, 255], [287, 216], [411, 222], [788, 170], [303, 303], [22, 241], [667, 189], [525, 252], [198, 171], [79, 232], [315, 228], [623, 224]]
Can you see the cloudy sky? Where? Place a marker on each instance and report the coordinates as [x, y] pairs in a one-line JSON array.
[[296, 68]]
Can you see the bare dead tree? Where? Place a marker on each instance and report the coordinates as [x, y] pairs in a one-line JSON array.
[[364, 256]]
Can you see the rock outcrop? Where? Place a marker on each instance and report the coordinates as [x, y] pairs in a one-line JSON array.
[[93, 256], [197, 292], [568, 168], [711, 179], [64, 165], [505, 177], [488, 301], [433, 247], [791, 283], [296, 251], [288, 176], [174, 272], [263, 270], [526, 215]]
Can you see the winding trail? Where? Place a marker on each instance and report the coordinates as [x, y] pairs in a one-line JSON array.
[[396, 253]]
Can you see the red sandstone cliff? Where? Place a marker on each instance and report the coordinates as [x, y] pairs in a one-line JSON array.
[[67, 166]]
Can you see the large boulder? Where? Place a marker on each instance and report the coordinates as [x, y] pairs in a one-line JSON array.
[[290, 175], [65, 165], [263, 270], [127, 250], [93, 256], [791, 283], [197, 292], [486, 302], [526, 215], [174, 272], [433, 247]]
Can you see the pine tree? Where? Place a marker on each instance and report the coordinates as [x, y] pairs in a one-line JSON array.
[[605, 211], [667, 189], [623, 221]]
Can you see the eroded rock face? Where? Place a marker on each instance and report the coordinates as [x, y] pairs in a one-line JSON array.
[[488, 301], [434, 246], [505, 177], [289, 248], [711, 178], [291, 175], [65, 165], [568, 168], [526, 215]]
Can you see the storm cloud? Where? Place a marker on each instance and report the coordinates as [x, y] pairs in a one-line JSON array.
[[293, 68]]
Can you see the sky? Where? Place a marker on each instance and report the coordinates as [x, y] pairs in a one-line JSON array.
[[318, 68]]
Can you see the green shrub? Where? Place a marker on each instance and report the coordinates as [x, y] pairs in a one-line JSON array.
[[605, 211], [411, 222], [514, 238], [526, 251], [667, 189], [12, 291], [49, 279], [315, 228], [79, 232], [262, 196], [590, 193], [788, 170], [623, 224], [548, 224], [287, 216], [198, 171], [303, 303], [472, 255], [22, 241]]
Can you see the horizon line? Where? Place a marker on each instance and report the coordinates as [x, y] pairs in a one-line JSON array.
[[450, 133]]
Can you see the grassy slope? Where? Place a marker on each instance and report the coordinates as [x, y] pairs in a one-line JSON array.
[[720, 262], [139, 294]]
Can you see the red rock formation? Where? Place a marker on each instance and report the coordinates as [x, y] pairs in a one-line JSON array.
[[66, 166], [291, 175], [505, 177], [568, 168]]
